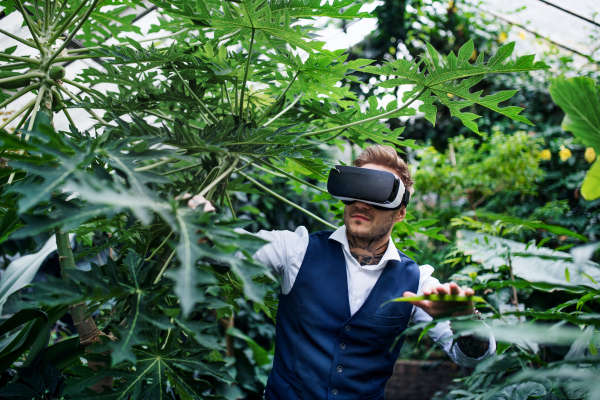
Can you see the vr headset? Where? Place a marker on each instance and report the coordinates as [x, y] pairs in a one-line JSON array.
[[382, 189]]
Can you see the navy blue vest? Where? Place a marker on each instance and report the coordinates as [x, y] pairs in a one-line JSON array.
[[323, 352]]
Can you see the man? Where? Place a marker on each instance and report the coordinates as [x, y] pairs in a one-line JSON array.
[[334, 339]]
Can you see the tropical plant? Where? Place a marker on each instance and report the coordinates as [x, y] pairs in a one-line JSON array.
[[579, 99], [185, 114], [474, 170], [541, 305]]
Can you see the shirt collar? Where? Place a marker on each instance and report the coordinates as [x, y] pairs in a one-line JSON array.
[[391, 253]]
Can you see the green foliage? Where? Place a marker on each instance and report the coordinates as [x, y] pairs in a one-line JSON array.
[[474, 170], [176, 272], [579, 99]]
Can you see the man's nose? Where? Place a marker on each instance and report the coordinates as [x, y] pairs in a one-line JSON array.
[[362, 205]]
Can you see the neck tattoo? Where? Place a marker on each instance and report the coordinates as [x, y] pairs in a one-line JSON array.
[[368, 251]]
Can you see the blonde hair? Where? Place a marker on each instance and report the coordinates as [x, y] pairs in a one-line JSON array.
[[386, 156]]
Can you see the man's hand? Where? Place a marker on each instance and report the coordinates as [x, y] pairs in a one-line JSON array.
[[440, 308]]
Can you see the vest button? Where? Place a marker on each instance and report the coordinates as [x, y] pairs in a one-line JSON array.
[[342, 346], [339, 369], [334, 392], [348, 327]]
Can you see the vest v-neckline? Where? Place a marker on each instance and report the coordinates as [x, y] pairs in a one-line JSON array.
[[381, 278]]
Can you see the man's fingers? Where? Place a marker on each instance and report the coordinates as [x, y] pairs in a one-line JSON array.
[[454, 288], [469, 292]]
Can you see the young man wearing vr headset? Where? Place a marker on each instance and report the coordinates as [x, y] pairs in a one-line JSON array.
[[334, 340]]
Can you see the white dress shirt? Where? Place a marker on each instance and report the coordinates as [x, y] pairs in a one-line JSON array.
[[285, 252]]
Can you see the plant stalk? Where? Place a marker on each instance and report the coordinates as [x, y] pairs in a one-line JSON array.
[[159, 246], [60, 30], [246, 76], [72, 96], [284, 110], [202, 105], [156, 164], [272, 193], [282, 96], [126, 43], [17, 77], [164, 268], [25, 42], [71, 35], [30, 25], [15, 115], [220, 177], [86, 327], [19, 94], [269, 165], [376, 118], [24, 59], [230, 204], [63, 107], [181, 169]]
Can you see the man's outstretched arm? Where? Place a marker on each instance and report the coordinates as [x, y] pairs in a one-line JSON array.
[[469, 350]]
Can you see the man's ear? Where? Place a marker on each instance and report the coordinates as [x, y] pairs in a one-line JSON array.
[[400, 215]]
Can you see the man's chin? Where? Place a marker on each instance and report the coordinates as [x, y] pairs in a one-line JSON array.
[[359, 229]]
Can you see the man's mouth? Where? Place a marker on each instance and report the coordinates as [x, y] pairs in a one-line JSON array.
[[360, 216]]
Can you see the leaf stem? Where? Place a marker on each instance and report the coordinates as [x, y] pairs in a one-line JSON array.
[[126, 43], [46, 14], [25, 76], [160, 114], [61, 29], [243, 167], [284, 110], [202, 105], [72, 34], [63, 107], [164, 268], [375, 118], [27, 114], [246, 76], [15, 115], [13, 65], [230, 35], [19, 94], [152, 166], [82, 87], [29, 60], [25, 42], [269, 165], [282, 96], [181, 169], [272, 193], [220, 177], [160, 246], [73, 58], [230, 204], [30, 25], [72, 96], [60, 10]]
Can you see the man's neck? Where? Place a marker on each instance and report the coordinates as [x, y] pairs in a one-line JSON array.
[[368, 251]]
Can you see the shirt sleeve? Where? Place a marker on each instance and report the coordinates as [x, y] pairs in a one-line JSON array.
[[441, 333], [283, 254]]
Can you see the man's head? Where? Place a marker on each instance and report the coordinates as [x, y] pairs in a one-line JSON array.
[[362, 219]]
